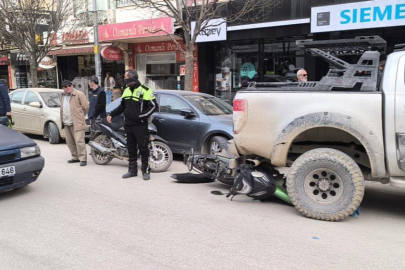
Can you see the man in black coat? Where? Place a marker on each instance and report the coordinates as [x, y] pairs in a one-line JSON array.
[[5, 107], [98, 100]]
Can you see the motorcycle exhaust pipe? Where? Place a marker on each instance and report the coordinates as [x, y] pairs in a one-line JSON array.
[[99, 148]]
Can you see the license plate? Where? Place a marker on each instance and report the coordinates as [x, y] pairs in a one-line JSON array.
[[7, 171]]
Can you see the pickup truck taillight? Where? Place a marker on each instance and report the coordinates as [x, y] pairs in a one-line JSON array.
[[240, 113]]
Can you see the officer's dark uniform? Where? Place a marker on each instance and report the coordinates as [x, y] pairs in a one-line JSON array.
[[137, 104]]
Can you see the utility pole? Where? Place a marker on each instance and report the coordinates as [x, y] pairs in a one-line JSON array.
[[97, 59]]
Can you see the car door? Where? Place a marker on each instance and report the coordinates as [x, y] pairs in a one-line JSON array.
[[180, 132], [32, 117], [16, 99]]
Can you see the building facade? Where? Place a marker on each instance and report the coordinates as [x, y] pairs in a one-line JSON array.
[[266, 50]]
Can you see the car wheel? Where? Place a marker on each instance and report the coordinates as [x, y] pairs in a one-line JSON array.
[[325, 184], [53, 133], [217, 144]]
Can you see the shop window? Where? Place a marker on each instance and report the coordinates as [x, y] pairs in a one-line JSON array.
[[31, 97], [17, 97], [158, 70], [172, 104]]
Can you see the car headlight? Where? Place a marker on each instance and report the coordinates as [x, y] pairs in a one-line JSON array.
[[30, 151]]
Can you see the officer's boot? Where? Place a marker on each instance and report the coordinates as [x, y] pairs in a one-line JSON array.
[[145, 172], [131, 173]]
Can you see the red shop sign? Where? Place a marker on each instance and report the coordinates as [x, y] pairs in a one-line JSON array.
[[3, 60], [137, 29], [112, 53], [164, 46]]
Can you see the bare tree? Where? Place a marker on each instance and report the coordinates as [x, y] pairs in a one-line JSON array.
[[184, 12], [24, 22]]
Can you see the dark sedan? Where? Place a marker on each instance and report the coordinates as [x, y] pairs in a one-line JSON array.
[[190, 120], [20, 160]]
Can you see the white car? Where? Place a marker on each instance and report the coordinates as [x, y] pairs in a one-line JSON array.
[[37, 111]]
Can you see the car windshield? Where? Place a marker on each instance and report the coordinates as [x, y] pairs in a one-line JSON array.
[[51, 99], [210, 105]]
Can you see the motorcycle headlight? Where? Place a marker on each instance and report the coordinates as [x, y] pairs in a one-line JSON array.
[[30, 151]]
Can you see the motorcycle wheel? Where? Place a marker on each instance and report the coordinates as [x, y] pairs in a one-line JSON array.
[[97, 157], [162, 161]]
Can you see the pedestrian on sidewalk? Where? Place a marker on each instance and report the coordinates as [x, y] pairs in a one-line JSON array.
[[73, 109], [109, 82], [97, 100], [138, 103]]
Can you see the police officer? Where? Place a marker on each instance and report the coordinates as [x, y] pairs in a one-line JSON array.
[[137, 104]]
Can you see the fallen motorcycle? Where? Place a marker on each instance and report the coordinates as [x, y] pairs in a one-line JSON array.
[[107, 144], [258, 181]]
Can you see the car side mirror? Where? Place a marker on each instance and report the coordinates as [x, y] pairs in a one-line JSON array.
[[36, 104], [187, 113]]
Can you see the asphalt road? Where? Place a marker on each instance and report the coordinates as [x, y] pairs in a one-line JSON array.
[[76, 217]]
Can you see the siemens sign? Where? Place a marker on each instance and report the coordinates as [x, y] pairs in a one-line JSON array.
[[360, 15]]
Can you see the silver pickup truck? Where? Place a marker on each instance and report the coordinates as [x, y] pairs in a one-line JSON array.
[[332, 134]]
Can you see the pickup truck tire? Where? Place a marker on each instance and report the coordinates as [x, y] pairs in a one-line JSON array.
[[53, 133], [217, 144], [325, 184]]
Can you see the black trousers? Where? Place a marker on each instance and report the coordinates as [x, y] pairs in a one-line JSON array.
[[138, 137]]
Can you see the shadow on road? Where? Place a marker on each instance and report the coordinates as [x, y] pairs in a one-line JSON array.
[[383, 198], [12, 194]]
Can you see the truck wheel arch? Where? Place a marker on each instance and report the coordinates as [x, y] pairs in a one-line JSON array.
[[346, 123]]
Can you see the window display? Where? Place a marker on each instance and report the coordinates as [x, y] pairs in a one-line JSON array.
[[239, 63]]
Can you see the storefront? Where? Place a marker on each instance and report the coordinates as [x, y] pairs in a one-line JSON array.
[[157, 59], [159, 65], [4, 69], [267, 52]]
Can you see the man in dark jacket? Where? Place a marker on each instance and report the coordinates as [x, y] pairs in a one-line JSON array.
[[5, 108], [137, 104], [97, 100]]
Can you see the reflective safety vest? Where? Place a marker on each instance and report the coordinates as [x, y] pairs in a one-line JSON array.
[[142, 92]]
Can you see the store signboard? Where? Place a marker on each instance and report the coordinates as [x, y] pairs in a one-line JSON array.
[[136, 29], [19, 59], [112, 53], [215, 30], [164, 46], [47, 63], [360, 15], [3, 60]]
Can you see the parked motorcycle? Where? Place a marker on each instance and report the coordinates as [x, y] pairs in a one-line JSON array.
[[107, 144]]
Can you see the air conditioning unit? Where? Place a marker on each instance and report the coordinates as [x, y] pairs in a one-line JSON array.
[[111, 17]]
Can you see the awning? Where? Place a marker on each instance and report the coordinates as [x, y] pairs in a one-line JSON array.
[[77, 50]]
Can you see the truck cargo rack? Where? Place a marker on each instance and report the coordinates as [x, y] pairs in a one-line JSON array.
[[363, 76]]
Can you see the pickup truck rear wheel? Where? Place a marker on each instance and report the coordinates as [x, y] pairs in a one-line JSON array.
[[325, 184]]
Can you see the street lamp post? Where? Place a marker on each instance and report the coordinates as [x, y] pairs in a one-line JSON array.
[[97, 59]]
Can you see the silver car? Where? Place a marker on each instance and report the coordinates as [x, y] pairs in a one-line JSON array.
[[37, 111]]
